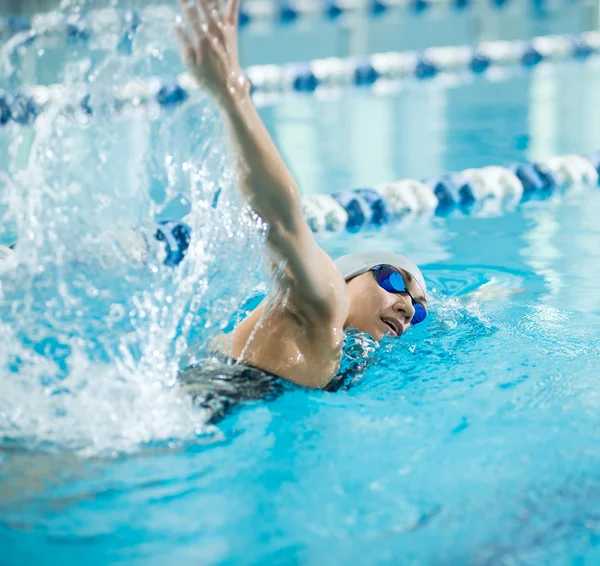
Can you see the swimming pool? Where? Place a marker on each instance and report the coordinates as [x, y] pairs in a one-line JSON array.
[[470, 441]]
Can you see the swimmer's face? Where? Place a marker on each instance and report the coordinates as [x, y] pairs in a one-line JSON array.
[[378, 312]]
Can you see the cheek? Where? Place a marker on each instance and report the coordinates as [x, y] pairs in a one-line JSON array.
[[377, 303], [374, 300], [383, 299]]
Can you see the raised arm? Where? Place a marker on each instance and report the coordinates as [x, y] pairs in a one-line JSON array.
[[210, 50]]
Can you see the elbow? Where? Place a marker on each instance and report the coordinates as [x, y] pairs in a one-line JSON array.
[[282, 232], [282, 213]]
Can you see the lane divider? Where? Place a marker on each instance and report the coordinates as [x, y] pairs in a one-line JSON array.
[[489, 190], [254, 14], [335, 72], [270, 81]]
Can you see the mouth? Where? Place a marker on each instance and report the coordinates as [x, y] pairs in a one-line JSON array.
[[395, 329]]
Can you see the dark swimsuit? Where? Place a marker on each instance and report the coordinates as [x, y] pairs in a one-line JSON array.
[[219, 384]]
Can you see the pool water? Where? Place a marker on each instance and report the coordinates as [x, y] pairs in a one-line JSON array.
[[472, 440]]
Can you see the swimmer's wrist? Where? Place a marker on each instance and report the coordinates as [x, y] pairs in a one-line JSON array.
[[236, 94]]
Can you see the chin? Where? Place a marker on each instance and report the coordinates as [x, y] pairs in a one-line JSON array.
[[374, 333], [377, 335]]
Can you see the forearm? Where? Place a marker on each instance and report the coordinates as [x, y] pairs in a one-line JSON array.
[[264, 179], [210, 50]]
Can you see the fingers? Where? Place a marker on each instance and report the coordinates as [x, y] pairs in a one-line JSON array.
[[201, 15], [213, 10], [233, 12], [187, 50], [202, 10], [190, 14]]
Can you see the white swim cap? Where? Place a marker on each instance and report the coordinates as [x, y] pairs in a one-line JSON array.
[[352, 265]]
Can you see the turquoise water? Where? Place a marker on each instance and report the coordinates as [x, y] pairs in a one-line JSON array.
[[472, 440]]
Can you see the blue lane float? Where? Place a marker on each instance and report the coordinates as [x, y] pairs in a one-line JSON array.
[[422, 65], [267, 80], [171, 93], [176, 236], [485, 191], [253, 13], [489, 190]]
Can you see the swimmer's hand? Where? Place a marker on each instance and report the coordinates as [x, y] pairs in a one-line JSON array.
[[210, 47], [490, 291]]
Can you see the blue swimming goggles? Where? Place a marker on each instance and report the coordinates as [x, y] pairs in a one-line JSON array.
[[390, 279]]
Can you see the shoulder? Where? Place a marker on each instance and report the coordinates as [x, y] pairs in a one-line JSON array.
[[323, 297]]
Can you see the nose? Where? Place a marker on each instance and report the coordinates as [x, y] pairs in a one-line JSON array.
[[405, 308]]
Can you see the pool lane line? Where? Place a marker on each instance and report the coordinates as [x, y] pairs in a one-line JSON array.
[[269, 82], [259, 16], [487, 191]]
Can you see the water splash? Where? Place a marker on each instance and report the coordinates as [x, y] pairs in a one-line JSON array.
[[94, 327]]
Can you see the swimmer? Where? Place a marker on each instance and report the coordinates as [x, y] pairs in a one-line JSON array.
[[296, 334]]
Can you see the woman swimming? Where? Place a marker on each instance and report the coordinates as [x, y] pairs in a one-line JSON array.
[[297, 333]]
